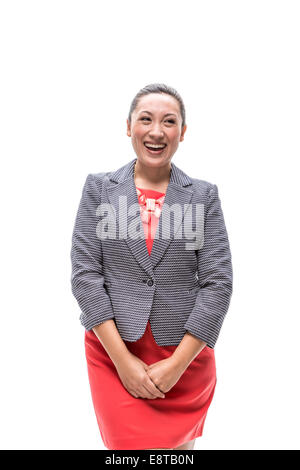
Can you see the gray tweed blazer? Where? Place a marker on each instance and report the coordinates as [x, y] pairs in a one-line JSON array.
[[186, 282]]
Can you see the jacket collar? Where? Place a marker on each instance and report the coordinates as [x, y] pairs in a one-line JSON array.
[[179, 191], [127, 171]]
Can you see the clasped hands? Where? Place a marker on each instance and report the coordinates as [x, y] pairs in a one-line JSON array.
[[149, 381]]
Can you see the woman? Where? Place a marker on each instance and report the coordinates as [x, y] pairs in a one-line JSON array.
[[152, 305]]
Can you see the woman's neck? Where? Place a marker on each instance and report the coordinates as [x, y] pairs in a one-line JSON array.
[[152, 178]]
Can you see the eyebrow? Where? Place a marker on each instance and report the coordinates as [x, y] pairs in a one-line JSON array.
[[168, 114]]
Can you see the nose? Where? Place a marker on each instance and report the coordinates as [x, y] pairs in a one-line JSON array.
[[156, 131]]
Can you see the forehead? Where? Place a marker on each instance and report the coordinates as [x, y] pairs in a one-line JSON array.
[[158, 103]]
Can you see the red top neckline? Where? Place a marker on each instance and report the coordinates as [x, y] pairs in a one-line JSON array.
[[151, 192]]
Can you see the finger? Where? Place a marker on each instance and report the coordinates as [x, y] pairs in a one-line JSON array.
[[148, 394], [143, 393], [153, 383], [154, 389], [159, 389]]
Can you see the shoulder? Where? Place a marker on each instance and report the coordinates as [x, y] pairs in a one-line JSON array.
[[199, 184], [203, 188], [95, 180], [204, 191]]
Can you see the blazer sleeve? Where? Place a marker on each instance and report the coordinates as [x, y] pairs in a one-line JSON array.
[[87, 262], [214, 275]]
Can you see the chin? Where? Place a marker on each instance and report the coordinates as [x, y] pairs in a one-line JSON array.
[[155, 160]]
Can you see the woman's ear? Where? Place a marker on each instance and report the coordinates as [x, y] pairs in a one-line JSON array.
[[128, 128], [182, 133]]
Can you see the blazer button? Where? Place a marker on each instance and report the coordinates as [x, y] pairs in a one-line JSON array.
[[150, 282]]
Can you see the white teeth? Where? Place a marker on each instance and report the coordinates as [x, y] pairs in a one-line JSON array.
[[155, 146]]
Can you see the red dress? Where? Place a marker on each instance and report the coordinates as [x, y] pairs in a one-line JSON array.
[[126, 422]]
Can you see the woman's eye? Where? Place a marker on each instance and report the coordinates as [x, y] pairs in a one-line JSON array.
[[171, 121]]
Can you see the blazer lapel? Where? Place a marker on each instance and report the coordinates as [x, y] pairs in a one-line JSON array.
[[170, 222], [176, 193]]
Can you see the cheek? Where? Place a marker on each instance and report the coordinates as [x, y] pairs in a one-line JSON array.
[[137, 135], [174, 138]]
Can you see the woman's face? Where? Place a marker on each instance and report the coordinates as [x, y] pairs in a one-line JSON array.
[[156, 120]]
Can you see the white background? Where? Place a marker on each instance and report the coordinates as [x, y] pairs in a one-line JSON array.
[[69, 71]]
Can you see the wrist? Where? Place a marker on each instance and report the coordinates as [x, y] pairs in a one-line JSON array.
[[179, 363], [123, 357], [186, 351]]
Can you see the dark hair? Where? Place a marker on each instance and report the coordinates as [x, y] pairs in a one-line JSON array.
[[158, 88]]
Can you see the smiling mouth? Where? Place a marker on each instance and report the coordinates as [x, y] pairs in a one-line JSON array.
[[155, 148]]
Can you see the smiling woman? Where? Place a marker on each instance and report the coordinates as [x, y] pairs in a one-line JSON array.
[[152, 309], [156, 125]]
